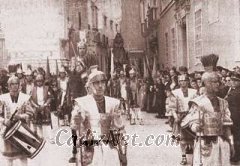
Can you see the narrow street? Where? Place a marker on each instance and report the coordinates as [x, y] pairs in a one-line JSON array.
[[153, 155]]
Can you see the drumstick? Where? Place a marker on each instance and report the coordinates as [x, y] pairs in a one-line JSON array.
[[13, 114]]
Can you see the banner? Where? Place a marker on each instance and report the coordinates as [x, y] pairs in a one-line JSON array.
[[112, 63]]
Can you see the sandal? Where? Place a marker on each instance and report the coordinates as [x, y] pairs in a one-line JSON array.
[[184, 161]]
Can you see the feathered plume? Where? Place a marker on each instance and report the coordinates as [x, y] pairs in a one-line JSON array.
[[209, 62]]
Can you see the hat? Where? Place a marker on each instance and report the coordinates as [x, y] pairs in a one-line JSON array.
[[28, 72], [19, 71], [121, 72], [236, 67], [62, 70], [183, 77], [132, 71], [183, 68], [12, 79], [235, 77], [209, 62], [96, 75]]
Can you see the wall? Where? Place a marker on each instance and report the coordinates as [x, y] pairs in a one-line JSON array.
[[167, 22], [219, 32], [131, 25]]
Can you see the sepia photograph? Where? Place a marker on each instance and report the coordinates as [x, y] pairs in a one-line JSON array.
[[119, 82]]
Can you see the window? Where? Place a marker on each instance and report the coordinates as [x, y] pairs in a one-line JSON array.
[[105, 20], [198, 33], [103, 39], [154, 3], [213, 11], [166, 47], [79, 20], [94, 16], [106, 40], [111, 24], [174, 46]]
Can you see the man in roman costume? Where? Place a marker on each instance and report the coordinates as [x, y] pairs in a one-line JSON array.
[[40, 99], [22, 80], [63, 102], [209, 118], [183, 96], [133, 90], [98, 114], [9, 103], [114, 86], [29, 82], [123, 91]]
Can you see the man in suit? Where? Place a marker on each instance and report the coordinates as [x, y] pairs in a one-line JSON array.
[[233, 98], [98, 114]]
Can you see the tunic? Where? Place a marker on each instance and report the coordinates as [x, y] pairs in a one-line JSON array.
[[23, 106], [215, 150], [100, 124]]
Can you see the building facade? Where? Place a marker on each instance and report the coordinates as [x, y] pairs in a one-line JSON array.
[[149, 12], [96, 23], [131, 31], [189, 29], [35, 30]]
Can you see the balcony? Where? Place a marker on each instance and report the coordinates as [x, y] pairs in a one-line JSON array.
[[151, 22], [183, 4]]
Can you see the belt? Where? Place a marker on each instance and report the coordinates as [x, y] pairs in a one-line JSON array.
[[209, 139]]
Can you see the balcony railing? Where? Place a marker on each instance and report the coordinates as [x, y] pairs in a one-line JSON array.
[[151, 21]]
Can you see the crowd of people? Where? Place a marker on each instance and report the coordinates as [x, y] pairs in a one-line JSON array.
[[171, 93], [201, 108]]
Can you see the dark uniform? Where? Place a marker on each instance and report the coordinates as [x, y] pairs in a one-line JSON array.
[[233, 99]]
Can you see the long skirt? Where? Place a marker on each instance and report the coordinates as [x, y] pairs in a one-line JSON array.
[[215, 154]]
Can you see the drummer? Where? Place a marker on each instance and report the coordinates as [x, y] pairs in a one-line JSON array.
[[12, 101]]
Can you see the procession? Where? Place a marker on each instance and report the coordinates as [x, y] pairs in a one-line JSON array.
[[119, 83]]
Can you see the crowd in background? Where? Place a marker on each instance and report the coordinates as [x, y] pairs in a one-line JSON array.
[[156, 94]]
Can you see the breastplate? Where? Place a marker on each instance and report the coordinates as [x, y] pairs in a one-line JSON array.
[[105, 123], [212, 124]]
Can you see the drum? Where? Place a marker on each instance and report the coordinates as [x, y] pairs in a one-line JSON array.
[[21, 137]]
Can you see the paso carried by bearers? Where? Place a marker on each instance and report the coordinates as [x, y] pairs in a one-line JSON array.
[[18, 140], [209, 118], [97, 116]]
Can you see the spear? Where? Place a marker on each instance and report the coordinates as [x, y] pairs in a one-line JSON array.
[[200, 141]]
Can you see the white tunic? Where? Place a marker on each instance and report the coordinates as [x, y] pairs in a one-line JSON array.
[[103, 154], [183, 101], [40, 96], [29, 88]]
